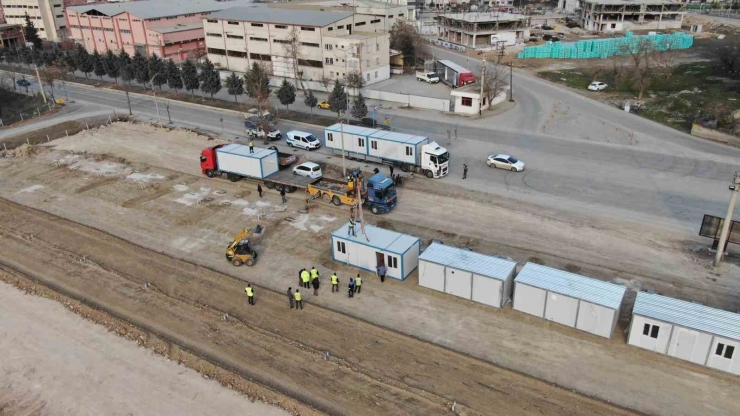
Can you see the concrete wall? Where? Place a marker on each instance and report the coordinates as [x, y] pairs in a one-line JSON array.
[[715, 135], [410, 100]]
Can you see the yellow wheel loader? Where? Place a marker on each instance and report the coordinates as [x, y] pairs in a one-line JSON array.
[[240, 251]]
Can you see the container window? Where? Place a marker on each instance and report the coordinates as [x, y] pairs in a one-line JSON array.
[[361, 142], [392, 261], [651, 330], [329, 137], [374, 145], [409, 151], [723, 350], [341, 247]]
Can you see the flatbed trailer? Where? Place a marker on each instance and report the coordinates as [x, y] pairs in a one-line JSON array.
[[335, 191]]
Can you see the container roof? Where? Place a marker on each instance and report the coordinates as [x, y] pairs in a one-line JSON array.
[[380, 238], [458, 258], [153, 9], [242, 150], [453, 66], [264, 14], [570, 284], [688, 315], [391, 136]]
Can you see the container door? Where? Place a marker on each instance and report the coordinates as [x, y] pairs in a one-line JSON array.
[[379, 259], [685, 345]]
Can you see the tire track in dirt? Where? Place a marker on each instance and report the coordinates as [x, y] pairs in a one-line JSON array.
[[371, 371]]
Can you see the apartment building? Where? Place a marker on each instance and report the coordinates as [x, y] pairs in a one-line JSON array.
[[483, 30], [332, 44], [47, 16], [623, 15], [170, 28], [11, 36]]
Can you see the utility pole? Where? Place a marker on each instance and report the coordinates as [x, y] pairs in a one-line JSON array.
[[511, 80], [735, 187], [482, 84], [156, 104], [341, 131], [41, 86]]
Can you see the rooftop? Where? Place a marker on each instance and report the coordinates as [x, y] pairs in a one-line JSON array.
[[264, 14], [470, 261], [242, 150], [570, 284], [153, 9], [177, 28], [380, 238], [688, 315], [485, 17]]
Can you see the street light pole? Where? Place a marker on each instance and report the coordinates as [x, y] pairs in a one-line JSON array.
[[156, 104], [511, 80], [735, 187]]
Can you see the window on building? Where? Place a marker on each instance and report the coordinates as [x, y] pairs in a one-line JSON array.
[[341, 247], [258, 39], [231, 22], [329, 61], [256, 24], [361, 141], [390, 16], [651, 330], [377, 47], [135, 20], [400, 15], [235, 37], [359, 24], [377, 60], [340, 27], [59, 16], [328, 47], [281, 27], [285, 41], [211, 20], [236, 54], [374, 144], [330, 29], [409, 151], [260, 57], [723, 350], [125, 31], [215, 51], [368, 77], [57, 5], [467, 101], [214, 35], [375, 21], [311, 45], [308, 29], [121, 19], [376, 74], [392, 262], [330, 136], [310, 63]]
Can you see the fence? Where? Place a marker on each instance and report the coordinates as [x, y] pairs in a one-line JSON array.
[[448, 45], [408, 99], [605, 48]]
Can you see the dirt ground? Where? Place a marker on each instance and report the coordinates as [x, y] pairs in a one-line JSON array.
[[58, 363], [143, 185]]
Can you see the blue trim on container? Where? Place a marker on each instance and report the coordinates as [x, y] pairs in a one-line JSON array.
[[368, 245]]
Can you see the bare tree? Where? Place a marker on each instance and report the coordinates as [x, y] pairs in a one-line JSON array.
[[48, 76], [665, 57], [495, 81], [355, 80], [325, 82], [256, 84], [404, 38], [642, 54], [292, 49]]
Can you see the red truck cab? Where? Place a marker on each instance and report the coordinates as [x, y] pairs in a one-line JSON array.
[[466, 78], [208, 163]]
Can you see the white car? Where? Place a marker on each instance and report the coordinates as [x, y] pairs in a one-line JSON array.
[[505, 162], [308, 169], [302, 140], [597, 86]]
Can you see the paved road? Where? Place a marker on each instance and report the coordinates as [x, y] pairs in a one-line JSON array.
[[669, 177]]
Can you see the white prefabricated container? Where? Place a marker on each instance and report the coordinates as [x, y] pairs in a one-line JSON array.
[[686, 330], [469, 275], [399, 253], [581, 302], [376, 144], [236, 158]]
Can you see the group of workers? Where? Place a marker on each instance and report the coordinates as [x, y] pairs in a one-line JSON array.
[[311, 278]]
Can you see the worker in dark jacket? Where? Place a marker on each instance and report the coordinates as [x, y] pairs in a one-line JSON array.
[[291, 299], [315, 283], [351, 287]]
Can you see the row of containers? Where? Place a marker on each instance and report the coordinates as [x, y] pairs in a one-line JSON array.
[[682, 329], [605, 48]]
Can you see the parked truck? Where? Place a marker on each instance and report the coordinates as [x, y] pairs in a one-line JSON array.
[[453, 74], [427, 76], [410, 153], [378, 193], [236, 162]]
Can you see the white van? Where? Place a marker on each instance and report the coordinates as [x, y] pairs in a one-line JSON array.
[[302, 140]]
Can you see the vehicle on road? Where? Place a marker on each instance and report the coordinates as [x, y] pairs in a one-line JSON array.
[[378, 193], [409, 152], [308, 169], [597, 86], [302, 140], [284, 159], [324, 105], [505, 162], [429, 77], [254, 129]]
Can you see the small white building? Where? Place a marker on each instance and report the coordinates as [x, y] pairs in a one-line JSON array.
[[468, 99], [399, 253], [686, 330], [566, 298], [469, 275]]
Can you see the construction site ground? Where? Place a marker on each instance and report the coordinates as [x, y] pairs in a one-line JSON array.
[[100, 214]]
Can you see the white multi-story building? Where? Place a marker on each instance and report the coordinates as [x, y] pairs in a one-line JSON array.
[[331, 44], [623, 15], [47, 16]]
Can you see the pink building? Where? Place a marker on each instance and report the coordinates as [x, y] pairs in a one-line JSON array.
[[169, 28]]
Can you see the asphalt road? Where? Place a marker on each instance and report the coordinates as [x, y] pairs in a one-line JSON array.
[[670, 178]]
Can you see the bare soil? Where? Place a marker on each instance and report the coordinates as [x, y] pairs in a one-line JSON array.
[[143, 184]]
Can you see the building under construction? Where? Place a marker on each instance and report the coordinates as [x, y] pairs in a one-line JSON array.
[[622, 15], [483, 30]]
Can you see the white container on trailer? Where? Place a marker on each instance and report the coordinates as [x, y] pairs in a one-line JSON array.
[[409, 152], [237, 159], [399, 253], [577, 301], [464, 273]]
